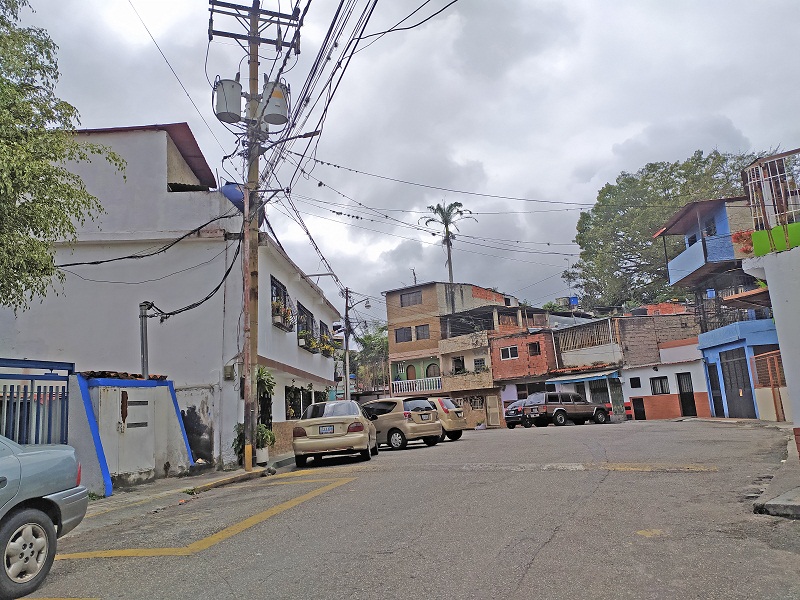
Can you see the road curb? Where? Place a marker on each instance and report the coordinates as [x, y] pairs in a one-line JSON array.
[[239, 477], [782, 496], [786, 505]]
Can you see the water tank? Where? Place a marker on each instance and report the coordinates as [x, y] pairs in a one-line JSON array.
[[235, 193], [228, 107], [274, 105]]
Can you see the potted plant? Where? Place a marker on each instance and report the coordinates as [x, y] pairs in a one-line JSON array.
[[264, 438], [278, 311], [302, 337]]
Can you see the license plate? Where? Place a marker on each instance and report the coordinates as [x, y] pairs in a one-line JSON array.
[[325, 429], [425, 417], [459, 414]]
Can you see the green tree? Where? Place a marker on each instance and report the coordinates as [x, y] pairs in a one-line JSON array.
[[40, 200], [370, 363], [447, 216], [619, 259]]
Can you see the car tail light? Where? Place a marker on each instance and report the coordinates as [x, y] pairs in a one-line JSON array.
[[78, 478], [298, 432], [407, 415], [353, 427], [444, 408]]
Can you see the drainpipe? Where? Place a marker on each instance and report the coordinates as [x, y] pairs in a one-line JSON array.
[[143, 308], [555, 350]]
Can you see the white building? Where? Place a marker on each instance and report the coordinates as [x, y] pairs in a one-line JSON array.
[[93, 319]]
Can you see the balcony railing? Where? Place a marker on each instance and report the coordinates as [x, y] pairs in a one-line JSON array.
[[414, 386], [709, 249]]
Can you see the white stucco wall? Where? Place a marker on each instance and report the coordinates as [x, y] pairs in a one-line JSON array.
[[680, 353], [782, 272], [669, 371], [93, 318]]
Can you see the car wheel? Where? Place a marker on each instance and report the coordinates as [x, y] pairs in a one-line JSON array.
[[365, 454], [431, 440], [29, 539], [560, 419], [300, 461], [397, 439], [454, 435], [511, 425], [375, 448], [600, 417], [526, 423]]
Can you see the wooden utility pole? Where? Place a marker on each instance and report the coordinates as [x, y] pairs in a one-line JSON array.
[[255, 134], [250, 242]]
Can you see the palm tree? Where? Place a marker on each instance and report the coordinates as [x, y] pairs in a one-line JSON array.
[[447, 216]]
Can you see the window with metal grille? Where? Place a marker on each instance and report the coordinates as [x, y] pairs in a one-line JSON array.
[[306, 324], [480, 364], [423, 332], [402, 334], [659, 385], [534, 349], [411, 298], [508, 353]]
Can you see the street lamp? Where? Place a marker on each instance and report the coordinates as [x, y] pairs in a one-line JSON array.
[[347, 307]]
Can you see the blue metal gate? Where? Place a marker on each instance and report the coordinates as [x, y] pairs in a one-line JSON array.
[[34, 401]]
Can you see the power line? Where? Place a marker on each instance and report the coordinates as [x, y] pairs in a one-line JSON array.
[[395, 28], [176, 75]]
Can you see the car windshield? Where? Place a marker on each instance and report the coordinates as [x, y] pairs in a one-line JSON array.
[[517, 404], [417, 404], [537, 398], [331, 409]]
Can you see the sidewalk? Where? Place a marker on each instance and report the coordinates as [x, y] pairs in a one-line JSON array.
[[157, 495], [782, 496]]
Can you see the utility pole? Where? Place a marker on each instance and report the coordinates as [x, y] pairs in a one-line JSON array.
[[250, 242], [347, 343], [255, 133]]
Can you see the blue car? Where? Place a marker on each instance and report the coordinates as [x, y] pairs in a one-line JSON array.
[[41, 499]]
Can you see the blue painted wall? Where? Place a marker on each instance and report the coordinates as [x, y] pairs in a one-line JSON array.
[[744, 334]]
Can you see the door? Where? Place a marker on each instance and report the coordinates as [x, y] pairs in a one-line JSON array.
[[492, 411], [411, 372], [736, 381], [686, 395], [638, 409], [716, 392], [9, 474]]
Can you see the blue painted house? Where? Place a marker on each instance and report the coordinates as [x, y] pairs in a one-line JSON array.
[[709, 265]]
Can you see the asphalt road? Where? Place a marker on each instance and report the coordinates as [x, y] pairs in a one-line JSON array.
[[633, 510]]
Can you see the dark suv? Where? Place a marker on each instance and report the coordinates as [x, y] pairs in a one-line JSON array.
[[515, 410], [543, 408]]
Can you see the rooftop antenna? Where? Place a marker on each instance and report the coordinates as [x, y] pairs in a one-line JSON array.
[[414, 273]]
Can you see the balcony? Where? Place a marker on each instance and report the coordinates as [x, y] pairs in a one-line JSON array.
[[467, 380], [416, 386], [700, 260]]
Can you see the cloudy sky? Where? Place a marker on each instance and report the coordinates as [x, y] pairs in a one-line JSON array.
[[520, 109]]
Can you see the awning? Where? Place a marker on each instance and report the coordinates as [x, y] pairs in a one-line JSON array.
[[758, 298], [577, 377]]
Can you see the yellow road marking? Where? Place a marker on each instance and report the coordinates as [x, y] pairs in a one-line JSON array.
[[213, 539], [650, 532], [656, 468]]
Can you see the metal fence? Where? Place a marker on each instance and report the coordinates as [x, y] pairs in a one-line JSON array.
[[34, 400]]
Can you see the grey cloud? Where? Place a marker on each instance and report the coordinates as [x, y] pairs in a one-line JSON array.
[[677, 139]]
